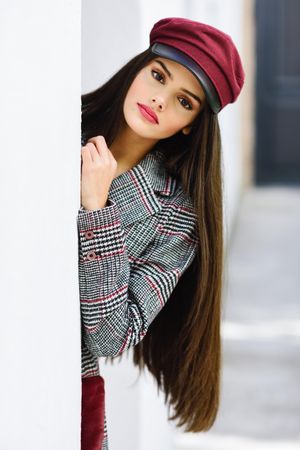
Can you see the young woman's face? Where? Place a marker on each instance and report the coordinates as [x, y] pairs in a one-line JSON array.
[[164, 98]]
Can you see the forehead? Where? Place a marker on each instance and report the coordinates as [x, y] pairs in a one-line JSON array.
[[182, 75]]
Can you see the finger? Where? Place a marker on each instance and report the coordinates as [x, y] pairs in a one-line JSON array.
[[100, 143], [86, 154], [93, 151], [105, 151]]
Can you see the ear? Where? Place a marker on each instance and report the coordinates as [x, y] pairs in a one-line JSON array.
[[186, 130]]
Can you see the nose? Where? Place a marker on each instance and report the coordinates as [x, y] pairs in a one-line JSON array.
[[158, 102]]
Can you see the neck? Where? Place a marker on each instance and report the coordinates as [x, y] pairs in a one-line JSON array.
[[129, 149]]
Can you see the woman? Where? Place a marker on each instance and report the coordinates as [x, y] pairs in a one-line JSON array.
[[150, 225]]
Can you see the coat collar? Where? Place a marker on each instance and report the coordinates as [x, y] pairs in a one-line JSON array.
[[136, 191]]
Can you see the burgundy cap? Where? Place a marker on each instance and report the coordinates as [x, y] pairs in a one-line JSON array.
[[206, 51]]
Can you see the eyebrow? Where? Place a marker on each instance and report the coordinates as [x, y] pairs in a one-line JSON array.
[[170, 75]]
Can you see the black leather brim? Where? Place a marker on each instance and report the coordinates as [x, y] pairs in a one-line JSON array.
[[166, 51]]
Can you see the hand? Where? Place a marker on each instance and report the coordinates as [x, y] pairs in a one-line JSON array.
[[97, 173]]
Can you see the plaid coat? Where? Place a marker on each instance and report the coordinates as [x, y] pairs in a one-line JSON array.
[[131, 255]]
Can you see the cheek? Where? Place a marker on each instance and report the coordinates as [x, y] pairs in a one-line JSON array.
[[175, 122], [128, 102], [136, 88]]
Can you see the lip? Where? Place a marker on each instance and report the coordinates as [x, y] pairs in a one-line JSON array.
[[148, 113]]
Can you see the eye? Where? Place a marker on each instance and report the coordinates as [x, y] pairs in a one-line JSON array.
[[185, 103], [158, 75]]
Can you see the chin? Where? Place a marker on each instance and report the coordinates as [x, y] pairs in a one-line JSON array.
[[141, 128]]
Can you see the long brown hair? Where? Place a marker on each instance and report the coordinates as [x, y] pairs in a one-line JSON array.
[[182, 347]]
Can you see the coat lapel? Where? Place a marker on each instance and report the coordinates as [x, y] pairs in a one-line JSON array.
[[135, 191]]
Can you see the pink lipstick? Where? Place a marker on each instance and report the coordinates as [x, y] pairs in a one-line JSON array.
[[148, 113]]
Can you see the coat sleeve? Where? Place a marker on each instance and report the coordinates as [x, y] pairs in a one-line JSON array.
[[121, 295]]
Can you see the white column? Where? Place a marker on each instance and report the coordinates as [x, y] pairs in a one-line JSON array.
[[40, 381]]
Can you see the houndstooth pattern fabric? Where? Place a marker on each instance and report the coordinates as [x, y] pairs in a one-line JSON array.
[[131, 256]]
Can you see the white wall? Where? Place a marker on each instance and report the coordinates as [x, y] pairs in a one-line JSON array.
[[110, 37], [152, 11], [136, 415], [40, 377]]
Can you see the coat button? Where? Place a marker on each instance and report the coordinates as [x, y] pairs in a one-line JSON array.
[[89, 235], [91, 255]]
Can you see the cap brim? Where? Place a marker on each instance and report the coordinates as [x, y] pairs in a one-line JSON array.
[[166, 51]]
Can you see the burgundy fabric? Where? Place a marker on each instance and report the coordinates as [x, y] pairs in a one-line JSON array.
[[92, 413], [212, 49]]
